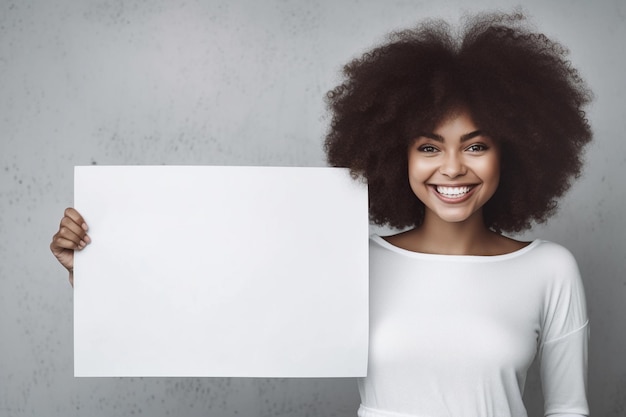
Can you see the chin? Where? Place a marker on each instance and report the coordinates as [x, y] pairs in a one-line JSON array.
[[457, 218]]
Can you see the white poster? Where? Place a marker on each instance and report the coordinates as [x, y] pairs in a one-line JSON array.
[[221, 271]]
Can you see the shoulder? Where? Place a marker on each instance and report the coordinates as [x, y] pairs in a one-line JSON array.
[[380, 244], [403, 240], [565, 294], [551, 266], [547, 247], [554, 257]]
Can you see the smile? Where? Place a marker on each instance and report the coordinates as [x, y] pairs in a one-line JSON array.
[[453, 192]]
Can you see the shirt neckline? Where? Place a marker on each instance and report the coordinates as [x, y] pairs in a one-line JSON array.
[[471, 258]]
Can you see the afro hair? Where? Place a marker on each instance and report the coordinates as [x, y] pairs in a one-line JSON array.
[[518, 87]]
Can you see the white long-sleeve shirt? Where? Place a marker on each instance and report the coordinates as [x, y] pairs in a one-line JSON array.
[[453, 336]]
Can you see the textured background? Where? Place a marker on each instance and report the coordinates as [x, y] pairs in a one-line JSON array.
[[240, 83]]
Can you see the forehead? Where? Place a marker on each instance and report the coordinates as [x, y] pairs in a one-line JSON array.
[[456, 119]]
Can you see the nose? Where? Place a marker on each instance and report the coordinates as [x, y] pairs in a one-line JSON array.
[[452, 165]]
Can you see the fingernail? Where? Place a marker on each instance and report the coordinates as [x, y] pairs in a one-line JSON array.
[[85, 227], [87, 239], [82, 244]]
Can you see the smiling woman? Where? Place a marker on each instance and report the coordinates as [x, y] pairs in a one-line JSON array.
[[456, 137]]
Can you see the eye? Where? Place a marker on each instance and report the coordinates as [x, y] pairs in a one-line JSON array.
[[427, 149], [477, 147]]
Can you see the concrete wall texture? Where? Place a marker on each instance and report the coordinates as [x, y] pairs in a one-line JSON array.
[[242, 83]]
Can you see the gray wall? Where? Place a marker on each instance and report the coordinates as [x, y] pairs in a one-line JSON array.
[[240, 83]]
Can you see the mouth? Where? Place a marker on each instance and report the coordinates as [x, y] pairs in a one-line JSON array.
[[453, 192]]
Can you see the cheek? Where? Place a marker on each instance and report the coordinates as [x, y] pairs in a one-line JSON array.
[[418, 173], [495, 171], [492, 173], [420, 169], [415, 170]]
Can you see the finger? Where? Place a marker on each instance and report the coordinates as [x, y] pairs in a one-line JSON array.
[[80, 241], [59, 244], [75, 215], [69, 223], [73, 233]]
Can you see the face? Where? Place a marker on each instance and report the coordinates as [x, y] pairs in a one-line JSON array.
[[454, 170]]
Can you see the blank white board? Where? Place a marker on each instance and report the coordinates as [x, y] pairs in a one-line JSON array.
[[221, 271]]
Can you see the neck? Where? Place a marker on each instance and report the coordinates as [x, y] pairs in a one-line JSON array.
[[469, 237]]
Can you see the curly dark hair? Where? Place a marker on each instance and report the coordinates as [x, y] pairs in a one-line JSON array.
[[518, 86]]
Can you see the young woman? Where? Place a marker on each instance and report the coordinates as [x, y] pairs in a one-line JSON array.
[[460, 138]]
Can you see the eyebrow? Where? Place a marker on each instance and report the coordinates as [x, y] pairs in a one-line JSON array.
[[464, 137]]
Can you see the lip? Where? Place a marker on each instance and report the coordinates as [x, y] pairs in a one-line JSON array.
[[453, 200]]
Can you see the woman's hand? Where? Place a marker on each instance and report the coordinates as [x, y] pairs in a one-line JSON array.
[[72, 235]]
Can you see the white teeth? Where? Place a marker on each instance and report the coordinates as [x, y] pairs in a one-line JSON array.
[[453, 191]]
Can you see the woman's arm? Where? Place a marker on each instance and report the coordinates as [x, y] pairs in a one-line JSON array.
[[564, 340]]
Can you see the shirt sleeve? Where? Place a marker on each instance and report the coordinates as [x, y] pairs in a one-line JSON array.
[[564, 338]]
